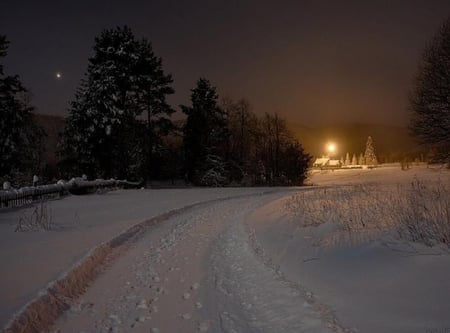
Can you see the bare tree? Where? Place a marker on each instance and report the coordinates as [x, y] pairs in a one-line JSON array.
[[430, 98]]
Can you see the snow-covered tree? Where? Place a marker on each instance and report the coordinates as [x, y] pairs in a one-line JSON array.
[[205, 131], [215, 172], [20, 138], [361, 159], [354, 160], [369, 156], [347, 159], [430, 98], [104, 135]]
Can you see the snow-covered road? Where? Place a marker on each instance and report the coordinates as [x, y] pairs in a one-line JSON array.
[[32, 260], [197, 272]]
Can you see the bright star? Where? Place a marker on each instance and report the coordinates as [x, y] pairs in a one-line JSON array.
[[58, 75]]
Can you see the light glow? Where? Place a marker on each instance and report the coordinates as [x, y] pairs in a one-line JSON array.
[[331, 147]]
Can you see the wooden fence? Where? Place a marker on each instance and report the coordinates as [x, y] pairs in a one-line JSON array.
[[26, 195]]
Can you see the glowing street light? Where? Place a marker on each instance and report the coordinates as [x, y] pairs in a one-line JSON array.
[[331, 148]]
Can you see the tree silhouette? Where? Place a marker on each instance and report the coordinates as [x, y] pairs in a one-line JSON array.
[[204, 135], [20, 137], [104, 134], [430, 98]]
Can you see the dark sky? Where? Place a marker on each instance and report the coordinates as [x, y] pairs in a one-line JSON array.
[[315, 62]]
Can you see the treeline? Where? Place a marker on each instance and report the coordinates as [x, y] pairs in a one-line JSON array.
[[120, 126], [229, 143], [21, 140]]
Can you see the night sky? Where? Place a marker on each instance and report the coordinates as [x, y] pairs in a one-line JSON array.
[[313, 62]]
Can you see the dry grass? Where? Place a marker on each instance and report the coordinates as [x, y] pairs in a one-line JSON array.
[[423, 213], [39, 219], [416, 212]]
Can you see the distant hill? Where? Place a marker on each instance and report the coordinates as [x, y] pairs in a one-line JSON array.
[[391, 143]]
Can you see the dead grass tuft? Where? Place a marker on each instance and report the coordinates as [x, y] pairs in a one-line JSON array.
[[418, 212], [39, 219]]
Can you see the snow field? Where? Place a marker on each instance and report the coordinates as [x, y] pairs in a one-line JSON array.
[[372, 277]]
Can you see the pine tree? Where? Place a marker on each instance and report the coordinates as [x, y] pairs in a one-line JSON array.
[[369, 155], [205, 133], [104, 135], [347, 159], [19, 136], [354, 160], [361, 159]]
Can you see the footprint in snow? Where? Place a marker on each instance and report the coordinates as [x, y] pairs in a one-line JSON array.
[[186, 316], [203, 327], [115, 319], [142, 305]]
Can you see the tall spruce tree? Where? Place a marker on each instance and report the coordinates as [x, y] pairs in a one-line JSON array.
[[19, 135], [369, 156], [205, 134], [104, 135]]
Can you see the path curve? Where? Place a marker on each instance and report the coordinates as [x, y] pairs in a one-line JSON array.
[[197, 272]]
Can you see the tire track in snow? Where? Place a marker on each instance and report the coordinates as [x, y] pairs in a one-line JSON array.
[[268, 301], [51, 302]]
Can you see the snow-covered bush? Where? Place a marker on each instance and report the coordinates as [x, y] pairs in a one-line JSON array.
[[213, 178], [215, 175]]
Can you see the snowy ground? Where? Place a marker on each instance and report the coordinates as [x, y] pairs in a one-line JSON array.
[[245, 264], [31, 260]]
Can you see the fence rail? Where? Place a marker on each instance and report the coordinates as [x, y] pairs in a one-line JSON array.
[[26, 195]]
